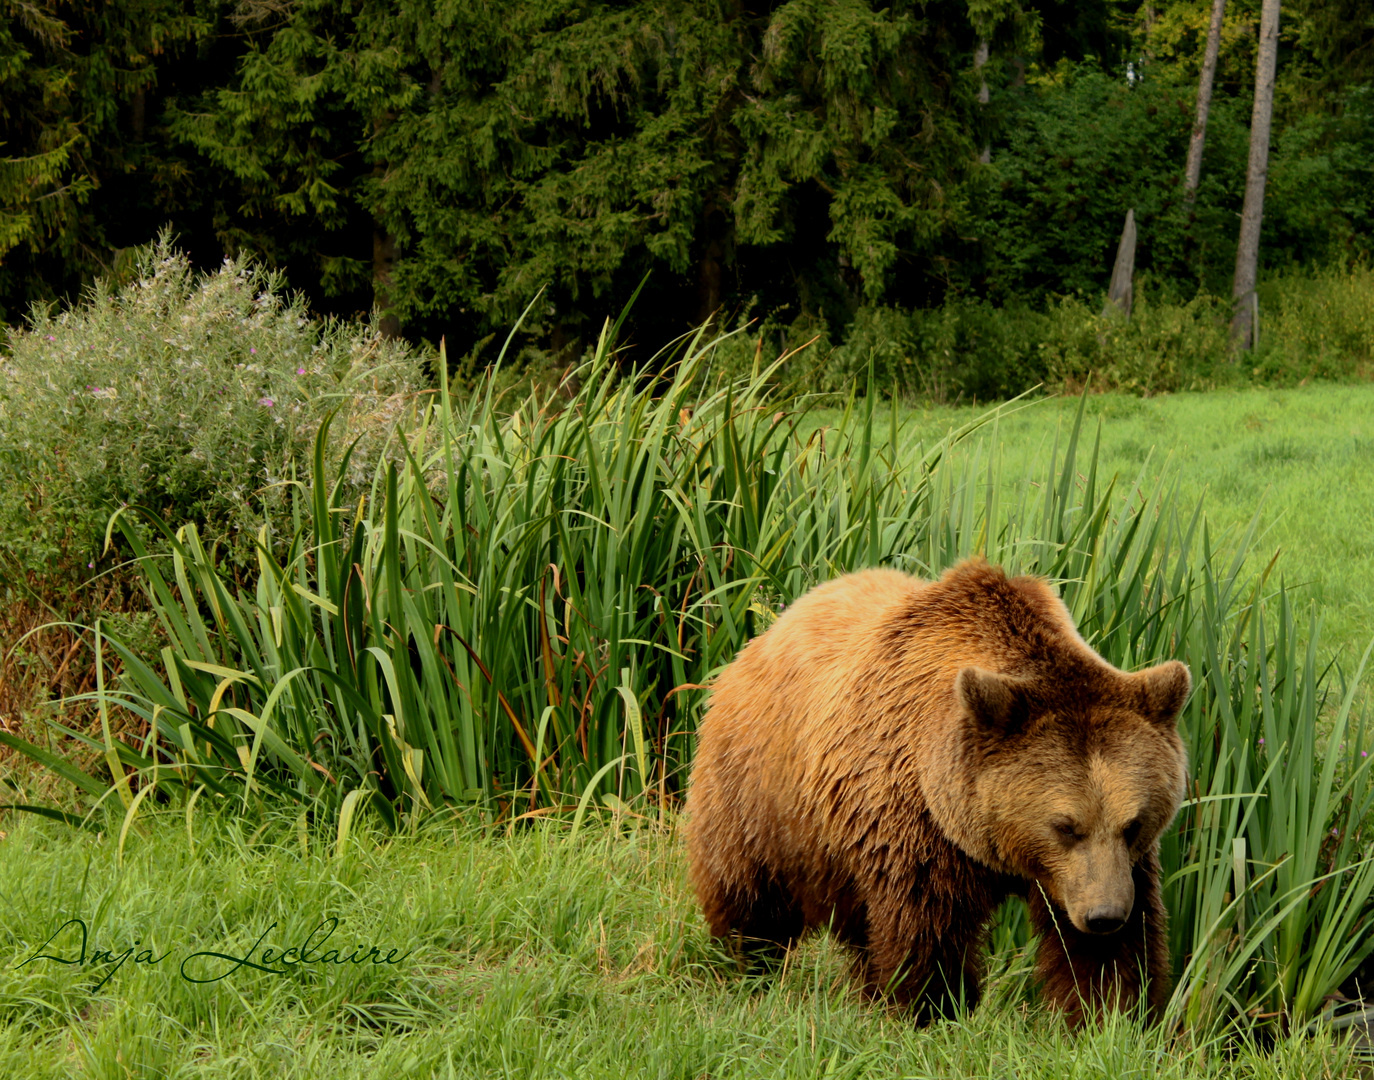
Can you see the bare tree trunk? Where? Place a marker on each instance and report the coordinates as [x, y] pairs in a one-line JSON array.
[[1252, 211], [383, 258], [1120, 291], [1204, 102], [384, 245], [709, 268], [980, 58]]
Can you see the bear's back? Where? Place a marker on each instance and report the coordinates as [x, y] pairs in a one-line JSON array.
[[843, 714], [888, 645]]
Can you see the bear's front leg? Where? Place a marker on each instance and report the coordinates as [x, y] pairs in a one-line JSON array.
[[1083, 974], [922, 958]]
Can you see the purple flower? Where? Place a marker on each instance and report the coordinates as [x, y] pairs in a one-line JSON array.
[[300, 371], [91, 565], [1261, 742], [51, 338], [252, 351], [266, 402]]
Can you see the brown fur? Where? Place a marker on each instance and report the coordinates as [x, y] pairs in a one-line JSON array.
[[894, 757]]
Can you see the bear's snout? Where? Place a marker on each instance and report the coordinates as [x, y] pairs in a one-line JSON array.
[[1098, 888], [1107, 918]]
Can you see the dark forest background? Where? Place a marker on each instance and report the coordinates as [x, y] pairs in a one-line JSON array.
[[802, 162]]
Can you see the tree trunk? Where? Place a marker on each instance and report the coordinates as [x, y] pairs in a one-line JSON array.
[[138, 108], [384, 241], [710, 268], [980, 58], [1204, 102], [708, 281], [383, 258], [1252, 211], [1123, 272]]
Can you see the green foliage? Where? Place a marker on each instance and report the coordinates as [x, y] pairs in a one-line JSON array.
[[1319, 202], [1083, 150], [193, 396], [964, 350], [1316, 326], [717, 150], [1313, 325], [581, 147], [1162, 348], [443, 160], [75, 82], [1174, 40], [1333, 39], [588, 566], [1285, 818]]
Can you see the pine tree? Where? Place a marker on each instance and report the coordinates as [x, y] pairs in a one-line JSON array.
[[463, 155], [74, 81]]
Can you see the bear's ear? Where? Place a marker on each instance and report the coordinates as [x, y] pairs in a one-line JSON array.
[[995, 702], [1163, 690]]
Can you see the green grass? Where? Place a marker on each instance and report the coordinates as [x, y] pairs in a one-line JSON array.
[[531, 956], [1304, 458]]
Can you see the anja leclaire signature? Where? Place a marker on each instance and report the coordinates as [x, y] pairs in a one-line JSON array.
[[199, 967]]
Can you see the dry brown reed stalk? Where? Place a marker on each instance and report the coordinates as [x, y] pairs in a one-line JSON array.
[[47, 652]]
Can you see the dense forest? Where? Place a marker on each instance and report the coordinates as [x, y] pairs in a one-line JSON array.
[[804, 162]]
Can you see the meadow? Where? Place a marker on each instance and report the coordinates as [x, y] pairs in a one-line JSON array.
[[1300, 458], [526, 956], [449, 698]]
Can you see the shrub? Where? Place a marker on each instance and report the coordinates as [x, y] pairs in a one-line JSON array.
[[1319, 200], [1162, 347], [192, 395], [1316, 326], [972, 349], [967, 349], [1082, 147]]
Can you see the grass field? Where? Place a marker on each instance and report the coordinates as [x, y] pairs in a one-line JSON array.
[[1302, 458], [524, 957]]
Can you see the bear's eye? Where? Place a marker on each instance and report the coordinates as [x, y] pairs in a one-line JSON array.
[[1067, 832], [1131, 833]]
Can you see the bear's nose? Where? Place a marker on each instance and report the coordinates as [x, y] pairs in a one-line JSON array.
[[1106, 920]]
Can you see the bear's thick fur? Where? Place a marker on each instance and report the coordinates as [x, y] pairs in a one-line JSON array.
[[894, 757]]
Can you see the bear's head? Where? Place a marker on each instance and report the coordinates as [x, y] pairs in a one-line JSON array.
[[1075, 778]]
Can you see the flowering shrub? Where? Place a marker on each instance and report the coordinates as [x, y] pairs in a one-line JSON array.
[[192, 394]]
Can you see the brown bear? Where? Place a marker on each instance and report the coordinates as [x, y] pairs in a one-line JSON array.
[[895, 757]]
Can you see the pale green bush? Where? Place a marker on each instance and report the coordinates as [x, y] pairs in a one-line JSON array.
[[196, 395]]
